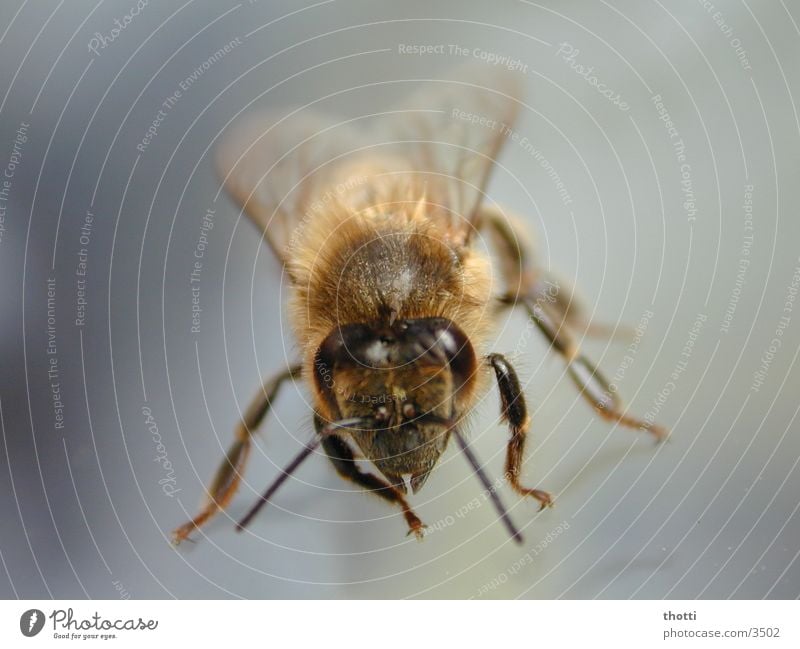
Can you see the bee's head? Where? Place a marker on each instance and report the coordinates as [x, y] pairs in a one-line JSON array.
[[406, 378]]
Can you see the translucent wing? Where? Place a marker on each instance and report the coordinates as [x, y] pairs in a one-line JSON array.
[[451, 133], [446, 134], [275, 165]]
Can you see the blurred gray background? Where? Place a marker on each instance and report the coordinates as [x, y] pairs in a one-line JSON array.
[[655, 231]]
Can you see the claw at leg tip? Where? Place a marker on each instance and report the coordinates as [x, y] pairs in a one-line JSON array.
[[661, 434], [418, 531]]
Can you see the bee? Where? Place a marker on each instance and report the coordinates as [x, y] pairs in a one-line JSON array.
[[377, 222]]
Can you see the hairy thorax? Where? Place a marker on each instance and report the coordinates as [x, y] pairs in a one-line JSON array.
[[380, 265]]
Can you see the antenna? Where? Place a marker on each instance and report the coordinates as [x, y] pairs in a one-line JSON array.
[[327, 429], [498, 504]]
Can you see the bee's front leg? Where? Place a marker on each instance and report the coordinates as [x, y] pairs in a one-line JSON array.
[[515, 413], [229, 474], [343, 459]]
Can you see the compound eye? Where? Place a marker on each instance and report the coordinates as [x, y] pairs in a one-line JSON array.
[[409, 411], [460, 353]]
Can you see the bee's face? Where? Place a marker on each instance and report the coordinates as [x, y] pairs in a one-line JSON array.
[[404, 378]]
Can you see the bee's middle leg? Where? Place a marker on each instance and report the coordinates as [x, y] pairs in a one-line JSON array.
[[229, 474], [515, 413], [523, 277], [592, 385], [341, 455]]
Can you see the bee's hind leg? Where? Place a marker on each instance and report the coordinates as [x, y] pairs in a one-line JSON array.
[[526, 285], [343, 459], [229, 474]]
